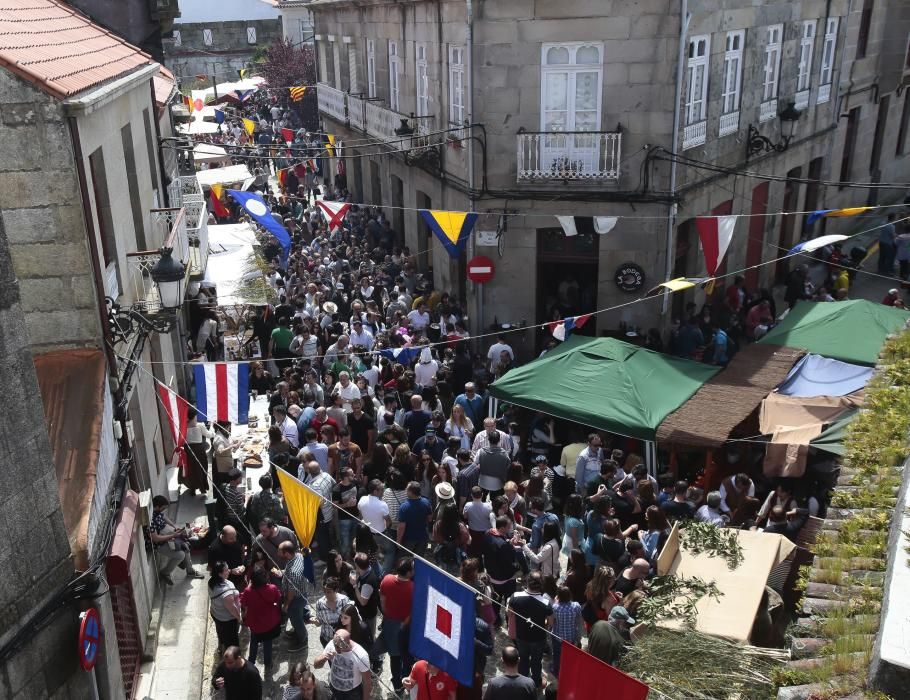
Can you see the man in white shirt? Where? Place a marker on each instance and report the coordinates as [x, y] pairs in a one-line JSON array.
[[500, 346], [419, 318], [373, 510], [587, 466], [482, 439], [360, 336], [425, 370], [733, 490], [347, 390], [350, 666], [287, 425]]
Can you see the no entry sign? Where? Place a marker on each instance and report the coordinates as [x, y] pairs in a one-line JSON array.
[[89, 639], [480, 269]]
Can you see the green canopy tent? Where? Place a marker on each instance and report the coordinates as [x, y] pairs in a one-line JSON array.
[[606, 384], [850, 331], [831, 439]]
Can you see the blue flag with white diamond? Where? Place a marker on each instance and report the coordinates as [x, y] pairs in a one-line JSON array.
[[442, 623]]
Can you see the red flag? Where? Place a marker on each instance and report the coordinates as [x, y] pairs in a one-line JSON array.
[[288, 136], [715, 233], [582, 676], [175, 409], [218, 207], [333, 212]]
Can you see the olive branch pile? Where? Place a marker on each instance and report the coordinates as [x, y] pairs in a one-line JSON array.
[[707, 538]]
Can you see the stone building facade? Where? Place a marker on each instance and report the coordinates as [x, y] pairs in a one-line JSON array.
[[219, 38], [83, 207], [531, 74]]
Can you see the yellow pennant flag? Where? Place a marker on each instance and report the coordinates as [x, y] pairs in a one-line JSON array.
[[330, 146], [302, 504], [243, 72], [217, 189], [249, 125]]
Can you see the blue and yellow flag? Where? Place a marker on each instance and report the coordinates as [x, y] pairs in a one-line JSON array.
[[849, 211], [302, 504], [450, 227]]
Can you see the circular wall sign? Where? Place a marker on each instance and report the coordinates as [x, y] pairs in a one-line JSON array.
[[89, 639], [629, 277]]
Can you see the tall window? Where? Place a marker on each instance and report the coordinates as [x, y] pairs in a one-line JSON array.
[[826, 73], [423, 84], [772, 71], [846, 162], [865, 23], [178, 39], [733, 71], [251, 35], [806, 44], [697, 94], [456, 85], [336, 63], [394, 76], [371, 68], [353, 82], [571, 78], [207, 37]]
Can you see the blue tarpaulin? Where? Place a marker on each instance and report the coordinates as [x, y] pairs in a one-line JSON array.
[[815, 375]]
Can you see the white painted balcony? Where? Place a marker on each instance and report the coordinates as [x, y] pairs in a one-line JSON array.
[[729, 124], [381, 122], [186, 192], [331, 101], [575, 155], [695, 134], [767, 110], [356, 117], [801, 99], [169, 230], [824, 94]]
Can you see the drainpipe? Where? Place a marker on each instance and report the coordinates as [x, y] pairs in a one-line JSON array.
[[469, 69], [684, 18]]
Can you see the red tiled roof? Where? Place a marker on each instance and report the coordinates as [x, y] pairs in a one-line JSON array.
[[72, 391], [60, 50], [164, 84]]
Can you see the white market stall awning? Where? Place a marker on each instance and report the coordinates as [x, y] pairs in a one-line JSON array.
[[234, 174], [230, 267], [211, 154]]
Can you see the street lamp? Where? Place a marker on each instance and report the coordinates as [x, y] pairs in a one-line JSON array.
[[756, 143], [169, 276]]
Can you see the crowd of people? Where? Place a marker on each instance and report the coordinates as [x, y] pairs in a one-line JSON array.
[[378, 404]]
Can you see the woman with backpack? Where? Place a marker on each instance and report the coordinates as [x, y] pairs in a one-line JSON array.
[[451, 538]]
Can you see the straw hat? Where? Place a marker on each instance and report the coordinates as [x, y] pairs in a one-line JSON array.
[[330, 307], [445, 491]]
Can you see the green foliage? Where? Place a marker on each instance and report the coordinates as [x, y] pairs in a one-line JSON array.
[[714, 541], [674, 598]]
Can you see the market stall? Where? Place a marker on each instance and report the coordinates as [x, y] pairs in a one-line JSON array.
[[231, 176], [606, 384], [850, 331]]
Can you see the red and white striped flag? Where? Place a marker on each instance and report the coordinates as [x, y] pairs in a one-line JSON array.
[[715, 233], [175, 408]]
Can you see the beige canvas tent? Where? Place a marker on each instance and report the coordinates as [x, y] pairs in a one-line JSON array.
[[732, 614]]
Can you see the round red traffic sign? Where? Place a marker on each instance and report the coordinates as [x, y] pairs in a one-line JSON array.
[[480, 269], [89, 639]]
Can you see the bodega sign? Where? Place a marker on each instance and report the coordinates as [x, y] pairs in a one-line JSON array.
[[629, 277]]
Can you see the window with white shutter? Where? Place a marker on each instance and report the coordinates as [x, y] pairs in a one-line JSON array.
[[774, 38], [456, 85], [394, 76], [804, 69], [733, 75], [251, 35], [371, 68], [826, 71], [207, 37]]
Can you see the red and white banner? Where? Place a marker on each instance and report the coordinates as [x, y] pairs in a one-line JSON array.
[[715, 233], [334, 212], [175, 408]]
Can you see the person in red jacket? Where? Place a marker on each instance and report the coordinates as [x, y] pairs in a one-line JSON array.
[[261, 603]]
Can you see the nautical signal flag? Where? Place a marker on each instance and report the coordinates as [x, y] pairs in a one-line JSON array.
[[825, 213], [582, 676], [175, 408], [573, 225], [715, 233], [218, 189], [561, 330], [679, 284], [249, 125], [442, 622], [302, 504], [188, 103], [334, 213], [255, 206], [222, 391], [243, 72], [219, 116], [330, 144], [451, 227], [816, 243], [404, 356], [288, 136], [218, 208], [298, 92]]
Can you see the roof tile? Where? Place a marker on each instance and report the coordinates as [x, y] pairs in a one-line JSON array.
[[60, 50]]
